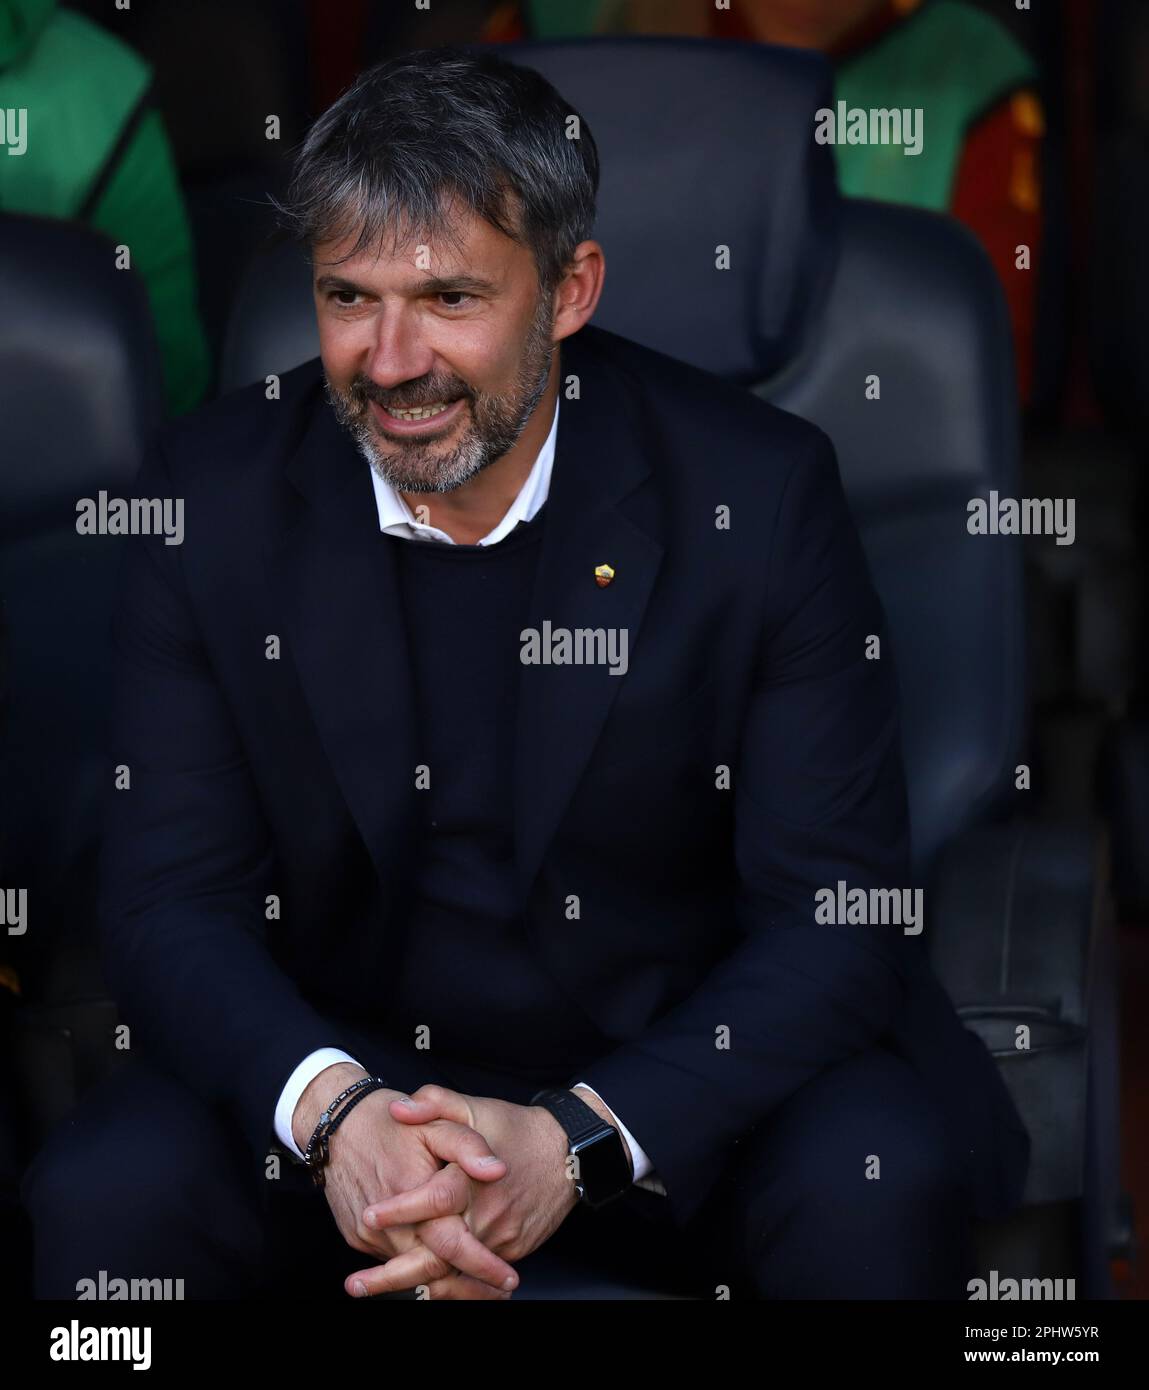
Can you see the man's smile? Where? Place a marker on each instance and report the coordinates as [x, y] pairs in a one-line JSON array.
[[418, 420]]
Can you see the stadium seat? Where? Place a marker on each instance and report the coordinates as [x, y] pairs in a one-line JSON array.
[[80, 395]]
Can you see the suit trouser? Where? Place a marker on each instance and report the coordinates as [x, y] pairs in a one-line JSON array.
[[851, 1188]]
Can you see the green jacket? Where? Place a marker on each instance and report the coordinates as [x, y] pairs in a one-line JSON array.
[[948, 60], [95, 151]]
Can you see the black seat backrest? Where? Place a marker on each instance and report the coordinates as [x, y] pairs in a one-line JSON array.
[[80, 396]]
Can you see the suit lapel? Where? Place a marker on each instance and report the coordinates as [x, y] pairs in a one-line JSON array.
[[338, 579], [599, 459]]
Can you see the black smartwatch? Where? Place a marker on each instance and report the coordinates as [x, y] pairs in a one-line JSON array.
[[603, 1163]]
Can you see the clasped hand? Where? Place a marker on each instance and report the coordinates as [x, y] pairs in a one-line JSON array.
[[466, 1223]]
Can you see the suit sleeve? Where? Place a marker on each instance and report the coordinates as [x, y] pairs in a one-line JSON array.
[[819, 797], [187, 859]]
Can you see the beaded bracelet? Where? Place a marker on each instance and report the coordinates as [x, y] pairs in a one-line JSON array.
[[329, 1110], [316, 1155], [317, 1165]]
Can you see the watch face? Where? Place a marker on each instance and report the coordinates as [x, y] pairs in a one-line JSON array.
[[603, 1167]]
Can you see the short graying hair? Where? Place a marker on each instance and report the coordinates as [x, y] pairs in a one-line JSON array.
[[418, 130]]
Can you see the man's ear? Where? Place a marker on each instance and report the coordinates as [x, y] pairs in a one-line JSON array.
[[578, 292]]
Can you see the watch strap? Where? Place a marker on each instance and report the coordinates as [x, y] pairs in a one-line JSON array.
[[579, 1119], [587, 1132]]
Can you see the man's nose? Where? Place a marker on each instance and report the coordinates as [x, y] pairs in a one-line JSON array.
[[397, 353]]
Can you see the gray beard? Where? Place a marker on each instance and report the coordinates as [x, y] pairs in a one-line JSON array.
[[496, 423]]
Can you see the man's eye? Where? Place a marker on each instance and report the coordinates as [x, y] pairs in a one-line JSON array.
[[455, 295], [344, 302]]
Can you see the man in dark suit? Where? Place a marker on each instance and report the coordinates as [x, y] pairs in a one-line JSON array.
[[508, 725]]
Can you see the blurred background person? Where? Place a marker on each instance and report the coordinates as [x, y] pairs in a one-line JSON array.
[[96, 152]]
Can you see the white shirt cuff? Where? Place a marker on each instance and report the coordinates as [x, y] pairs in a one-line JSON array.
[[297, 1083], [643, 1168]]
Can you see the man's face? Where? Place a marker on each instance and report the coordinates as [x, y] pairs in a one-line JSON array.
[[459, 324]]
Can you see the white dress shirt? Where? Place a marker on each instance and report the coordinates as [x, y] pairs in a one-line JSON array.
[[397, 519]]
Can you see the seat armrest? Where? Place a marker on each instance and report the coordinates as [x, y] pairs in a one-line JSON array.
[[1019, 936]]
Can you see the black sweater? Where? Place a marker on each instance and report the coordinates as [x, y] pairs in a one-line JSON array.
[[465, 969]]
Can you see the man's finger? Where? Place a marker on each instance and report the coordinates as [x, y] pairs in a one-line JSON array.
[[419, 1265], [423, 1264], [434, 1101], [462, 1286], [416, 1112], [456, 1244], [445, 1193], [458, 1143]]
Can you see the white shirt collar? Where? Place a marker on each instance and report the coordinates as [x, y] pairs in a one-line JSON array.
[[397, 519]]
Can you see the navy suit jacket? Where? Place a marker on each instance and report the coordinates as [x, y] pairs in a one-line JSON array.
[[696, 949]]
